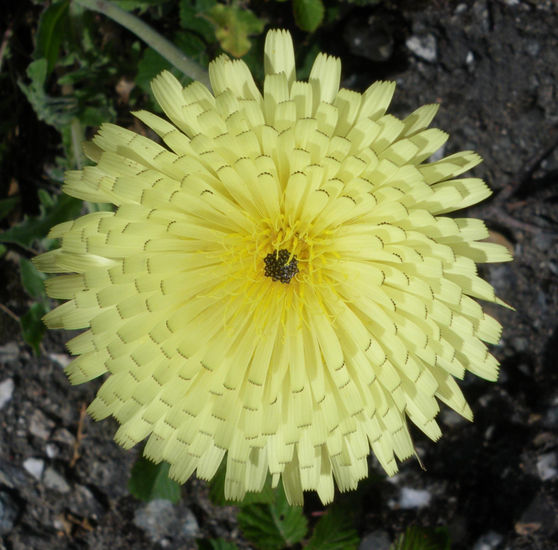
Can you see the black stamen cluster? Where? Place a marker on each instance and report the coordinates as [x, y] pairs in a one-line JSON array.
[[278, 269]]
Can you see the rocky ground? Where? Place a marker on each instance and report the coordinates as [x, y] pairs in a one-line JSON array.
[[493, 67]]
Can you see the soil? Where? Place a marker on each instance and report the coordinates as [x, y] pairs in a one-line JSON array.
[[493, 67]]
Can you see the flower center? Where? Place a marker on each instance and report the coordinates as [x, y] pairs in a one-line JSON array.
[[281, 266]]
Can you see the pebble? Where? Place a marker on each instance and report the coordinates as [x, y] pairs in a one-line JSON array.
[[377, 540], [61, 358], [39, 425], [53, 480], [162, 520], [12, 476], [6, 391], [9, 352], [35, 467], [9, 511], [413, 498], [451, 418], [489, 541], [423, 46], [63, 436], [82, 503], [51, 450], [546, 466]]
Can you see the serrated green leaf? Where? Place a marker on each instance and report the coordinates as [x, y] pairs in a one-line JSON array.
[[32, 326], [7, 205], [31, 279], [63, 208], [215, 544], [52, 24], [334, 531], [56, 111], [273, 526], [308, 14], [192, 18], [423, 538], [149, 481], [217, 491], [233, 26]]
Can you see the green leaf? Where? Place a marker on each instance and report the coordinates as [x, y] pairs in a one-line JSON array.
[[32, 279], [233, 26], [149, 481], [334, 531], [217, 491], [52, 25], [192, 18], [308, 14], [423, 538], [61, 209], [32, 326], [273, 526], [215, 544], [7, 205], [56, 111]]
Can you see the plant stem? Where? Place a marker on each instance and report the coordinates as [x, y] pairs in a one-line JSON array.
[[152, 38]]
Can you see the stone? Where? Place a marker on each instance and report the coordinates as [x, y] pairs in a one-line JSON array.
[[35, 467], [9, 352], [413, 498], [423, 46], [377, 540], [53, 480], [547, 466], [82, 503], [6, 391], [39, 425], [9, 511], [489, 541], [161, 520]]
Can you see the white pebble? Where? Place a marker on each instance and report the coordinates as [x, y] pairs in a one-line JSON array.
[[35, 467], [6, 391], [413, 498], [546, 466]]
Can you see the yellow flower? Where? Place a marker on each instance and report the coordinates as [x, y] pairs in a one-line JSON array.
[[279, 285]]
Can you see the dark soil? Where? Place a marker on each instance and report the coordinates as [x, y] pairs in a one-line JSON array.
[[493, 67]]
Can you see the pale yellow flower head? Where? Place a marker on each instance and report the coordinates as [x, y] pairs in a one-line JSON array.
[[279, 285]]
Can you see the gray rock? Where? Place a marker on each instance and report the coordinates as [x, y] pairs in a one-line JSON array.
[[63, 436], [413, 498], [35, 467], [39, 425], [83, 503], [6, 391], [12, 476], [9, 511], [490, 541], [162, 520], [377, 540], [547, 466], [53, 480], [423, 46], [9, 352]]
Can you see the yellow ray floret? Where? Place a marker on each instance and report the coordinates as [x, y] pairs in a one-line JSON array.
[[278, 286]]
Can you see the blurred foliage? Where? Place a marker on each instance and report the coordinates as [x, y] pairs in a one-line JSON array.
[[149, 481], [63, 76], [422, 538]]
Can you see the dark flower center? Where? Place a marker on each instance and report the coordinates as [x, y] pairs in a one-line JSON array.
[[278, 269]]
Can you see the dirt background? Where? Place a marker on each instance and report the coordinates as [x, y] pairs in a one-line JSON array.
[[493, 67]]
